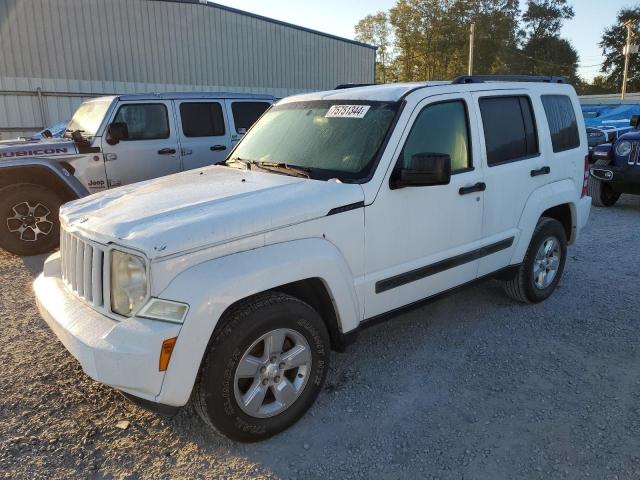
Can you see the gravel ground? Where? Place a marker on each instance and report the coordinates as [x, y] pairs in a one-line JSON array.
[[473, 386]]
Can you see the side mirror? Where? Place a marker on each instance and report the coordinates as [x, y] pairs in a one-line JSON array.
[[635, 121], [424, 169], [117, 131]]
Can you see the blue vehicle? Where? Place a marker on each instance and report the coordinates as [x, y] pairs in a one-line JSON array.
[[616, 168]]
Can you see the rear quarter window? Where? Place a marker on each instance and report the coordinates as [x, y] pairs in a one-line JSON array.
[[563, 124], [245, 114]]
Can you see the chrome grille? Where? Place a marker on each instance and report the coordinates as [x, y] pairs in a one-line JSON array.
[[82, 267], [633, 154]]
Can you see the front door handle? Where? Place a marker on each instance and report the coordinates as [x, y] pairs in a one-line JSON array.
[[218, 148], [167, 151], [478, 187], [541, 171]]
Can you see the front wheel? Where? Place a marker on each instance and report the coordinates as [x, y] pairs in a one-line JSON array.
[[264, 368], [543, 264], [29, 219], [601, 193]]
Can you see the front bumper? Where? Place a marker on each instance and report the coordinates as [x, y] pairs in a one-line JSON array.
[[123, 354], [624, 179]]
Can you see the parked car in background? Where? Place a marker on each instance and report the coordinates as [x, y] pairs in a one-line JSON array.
[[54, 131], [113, 141], [616, 168], [230, 284]]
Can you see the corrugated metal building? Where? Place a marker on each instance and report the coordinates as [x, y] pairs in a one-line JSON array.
[[55, 53]]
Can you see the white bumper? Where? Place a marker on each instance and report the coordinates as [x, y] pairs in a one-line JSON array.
[[123, 354]]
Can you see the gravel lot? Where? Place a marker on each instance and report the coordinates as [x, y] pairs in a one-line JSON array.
[[473, 386]]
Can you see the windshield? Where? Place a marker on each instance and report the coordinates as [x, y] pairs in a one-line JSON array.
[[88, 117], [330, 139]]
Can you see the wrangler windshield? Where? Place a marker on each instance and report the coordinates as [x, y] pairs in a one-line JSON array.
[[330, 139], [88, 117]]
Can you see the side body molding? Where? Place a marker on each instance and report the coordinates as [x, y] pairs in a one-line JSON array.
[[211, 287], [542, 199]]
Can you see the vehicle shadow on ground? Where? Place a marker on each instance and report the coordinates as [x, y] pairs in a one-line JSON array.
[[34, 264], [371, 403]]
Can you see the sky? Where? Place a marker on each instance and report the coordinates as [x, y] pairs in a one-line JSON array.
[[338, 17]]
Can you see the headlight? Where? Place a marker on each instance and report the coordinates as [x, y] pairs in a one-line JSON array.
[[623, 148], [128, 283]]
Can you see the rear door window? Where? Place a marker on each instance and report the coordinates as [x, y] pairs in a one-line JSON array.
[[563, 124], [509, 129], [245, 114], [202, 119]]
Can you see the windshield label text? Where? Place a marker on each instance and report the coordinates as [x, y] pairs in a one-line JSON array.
[[348, 111]]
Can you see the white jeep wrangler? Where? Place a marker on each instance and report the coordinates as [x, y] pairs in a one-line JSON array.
[[228, 285]]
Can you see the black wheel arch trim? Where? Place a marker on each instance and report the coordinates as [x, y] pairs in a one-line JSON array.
[[52, 167]]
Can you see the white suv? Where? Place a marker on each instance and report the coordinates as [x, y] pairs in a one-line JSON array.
[[229, 285]]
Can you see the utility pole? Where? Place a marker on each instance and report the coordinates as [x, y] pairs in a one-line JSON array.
[[472, 41], [627, 50]]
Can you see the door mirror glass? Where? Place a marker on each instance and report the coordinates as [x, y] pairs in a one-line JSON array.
[[423, 169], [117, 131]]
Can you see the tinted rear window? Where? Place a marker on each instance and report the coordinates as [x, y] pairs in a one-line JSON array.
[[562, 122], [509, 129], [202, 119], [245, 114]]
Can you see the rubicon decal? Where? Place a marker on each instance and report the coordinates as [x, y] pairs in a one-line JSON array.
[[38, 152]]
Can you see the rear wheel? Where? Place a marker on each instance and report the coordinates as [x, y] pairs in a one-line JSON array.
[[543, 264], [264, 368], [601, 193], [29, 219]]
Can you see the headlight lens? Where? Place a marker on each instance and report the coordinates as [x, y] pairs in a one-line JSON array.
[[623, 148], [128, 283]]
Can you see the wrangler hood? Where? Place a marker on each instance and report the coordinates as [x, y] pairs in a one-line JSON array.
[[202, 208], [49, 147]]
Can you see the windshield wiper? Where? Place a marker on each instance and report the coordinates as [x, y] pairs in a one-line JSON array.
[[231, 162], [281, 167], [278, 167]]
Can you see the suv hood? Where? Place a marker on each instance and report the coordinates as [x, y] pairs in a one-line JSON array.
[[201, 208], [49, 147]]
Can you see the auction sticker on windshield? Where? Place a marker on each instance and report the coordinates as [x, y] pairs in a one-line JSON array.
[[348, 111]]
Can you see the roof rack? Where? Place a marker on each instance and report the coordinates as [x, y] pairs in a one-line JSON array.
[[353, 85], [508, 78]]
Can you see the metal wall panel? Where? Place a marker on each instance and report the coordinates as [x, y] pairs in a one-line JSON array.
[[92, 47]]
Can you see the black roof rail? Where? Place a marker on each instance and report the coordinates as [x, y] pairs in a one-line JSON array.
[[508, 78], [342, 86]]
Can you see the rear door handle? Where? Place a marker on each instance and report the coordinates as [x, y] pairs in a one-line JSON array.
[[167, 151], [478, 187], [541, 171], [218, 148]]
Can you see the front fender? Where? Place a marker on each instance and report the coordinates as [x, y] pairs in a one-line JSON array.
[[51, 168], [211, 287], [542, 199]]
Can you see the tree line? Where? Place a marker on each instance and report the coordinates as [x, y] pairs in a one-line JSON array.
[[429, 40]]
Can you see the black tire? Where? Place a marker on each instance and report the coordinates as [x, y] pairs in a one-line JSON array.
[[522, 287], [40, 228], [601, 193], [214, 393]]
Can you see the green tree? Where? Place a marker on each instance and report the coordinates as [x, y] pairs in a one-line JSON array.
[[612, 44], [543, 51], [375, 30]]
